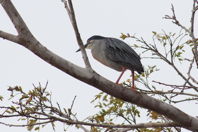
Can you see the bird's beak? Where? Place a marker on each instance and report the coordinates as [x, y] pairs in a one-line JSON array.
[[78, 50], [85, 46]]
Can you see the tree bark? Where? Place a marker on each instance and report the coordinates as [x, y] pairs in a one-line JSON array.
[[26, 39]]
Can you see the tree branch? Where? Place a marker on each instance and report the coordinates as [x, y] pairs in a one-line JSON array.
[[71, 13], [16, 19], [149, 125], [24, 125], [194, 50], [175, 20], [9, 36], [94, 79], [141, 125], [189, 31], [155, 50]]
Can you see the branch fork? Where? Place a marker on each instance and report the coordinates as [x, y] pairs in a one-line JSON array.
[[26, 39]]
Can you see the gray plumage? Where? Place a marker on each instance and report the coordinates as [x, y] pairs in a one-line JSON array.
[[114, 53]]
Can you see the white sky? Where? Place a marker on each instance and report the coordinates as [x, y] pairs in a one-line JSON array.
[[48, 21]]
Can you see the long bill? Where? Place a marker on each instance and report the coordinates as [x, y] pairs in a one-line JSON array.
[[85, 46]]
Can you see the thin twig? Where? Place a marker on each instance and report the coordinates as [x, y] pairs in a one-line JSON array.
[[194, 49], [141, 125], [174, 86], [154, 50], [24, 125], [73, 103], [189, 70], [184, 100], [174, 19], [70, 10], [190, 31]]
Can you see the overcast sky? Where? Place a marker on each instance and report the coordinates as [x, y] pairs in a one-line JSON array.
[[49, 22]]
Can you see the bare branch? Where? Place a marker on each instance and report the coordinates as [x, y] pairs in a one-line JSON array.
[[24, 125], [94, 79], [141, 125], [193, 79], [194, 50], [149, 125], [16, 19], [192, 20], [189, 70], [9, 36], [190, 31], [167, 92], [73, 103], [175, 86], [183, 100], [155, 50], [71, 13], [174, 19]]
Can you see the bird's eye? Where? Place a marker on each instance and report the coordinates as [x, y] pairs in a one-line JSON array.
[[88, 41], [91, 41]]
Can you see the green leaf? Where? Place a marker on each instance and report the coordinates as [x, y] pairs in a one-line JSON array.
[[37, 128], [31, 124], [123, 36], [1, 98], [154, 33]]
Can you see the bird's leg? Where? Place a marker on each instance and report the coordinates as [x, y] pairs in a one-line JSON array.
[[123, 70], [133, 81]]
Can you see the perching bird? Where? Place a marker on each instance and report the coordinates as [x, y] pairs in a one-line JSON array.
[[115, 54]]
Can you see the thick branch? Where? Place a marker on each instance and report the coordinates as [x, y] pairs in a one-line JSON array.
[[94, 79], [16, 19]]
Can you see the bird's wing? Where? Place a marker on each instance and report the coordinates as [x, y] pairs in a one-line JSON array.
[[121, 53], [120, 45]]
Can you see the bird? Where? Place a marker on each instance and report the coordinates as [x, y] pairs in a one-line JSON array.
[[115, 54]]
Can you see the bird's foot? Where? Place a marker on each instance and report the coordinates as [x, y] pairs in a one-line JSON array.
[[133, 88]]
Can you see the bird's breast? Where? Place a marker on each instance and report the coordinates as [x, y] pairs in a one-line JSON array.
[[98, 52]]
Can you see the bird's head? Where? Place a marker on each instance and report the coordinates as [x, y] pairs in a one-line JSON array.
[[91, 40]]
